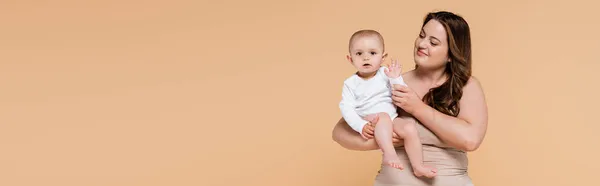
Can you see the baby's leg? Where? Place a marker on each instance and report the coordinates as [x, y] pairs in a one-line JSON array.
[[383, 137], [408, 131]]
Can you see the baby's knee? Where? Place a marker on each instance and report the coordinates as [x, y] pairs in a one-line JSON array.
[[410, 128], [383, 115]]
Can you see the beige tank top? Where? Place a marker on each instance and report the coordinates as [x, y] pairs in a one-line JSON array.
[[451, 163]]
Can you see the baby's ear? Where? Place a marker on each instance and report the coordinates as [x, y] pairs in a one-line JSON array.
[[384, 55], [349, 58]]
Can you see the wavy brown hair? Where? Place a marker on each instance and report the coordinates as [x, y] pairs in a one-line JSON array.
[[445, 97]]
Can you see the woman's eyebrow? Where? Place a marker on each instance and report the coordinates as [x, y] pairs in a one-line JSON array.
[[433, 37]]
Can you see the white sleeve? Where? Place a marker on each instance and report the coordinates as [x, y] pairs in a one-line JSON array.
[[347, 106], [398, 80]]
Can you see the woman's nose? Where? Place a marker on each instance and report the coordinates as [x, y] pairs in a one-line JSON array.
[[422, 44]]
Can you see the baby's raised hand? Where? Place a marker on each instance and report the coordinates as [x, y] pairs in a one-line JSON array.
[[394, 70]]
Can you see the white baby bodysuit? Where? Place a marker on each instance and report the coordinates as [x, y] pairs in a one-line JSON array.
[[362, 97]]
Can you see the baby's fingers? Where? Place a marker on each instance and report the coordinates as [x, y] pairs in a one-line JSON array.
[[370, 130], [366, 136]]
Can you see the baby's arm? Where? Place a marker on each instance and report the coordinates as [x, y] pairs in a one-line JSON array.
[[348, 109], [394, 74]]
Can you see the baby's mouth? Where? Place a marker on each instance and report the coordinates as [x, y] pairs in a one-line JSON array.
[[366, 65]]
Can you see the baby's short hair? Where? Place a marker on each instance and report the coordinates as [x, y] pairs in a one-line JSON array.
[[365, 33]]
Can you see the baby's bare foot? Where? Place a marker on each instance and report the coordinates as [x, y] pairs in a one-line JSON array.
[[426, 171], [392, 160]]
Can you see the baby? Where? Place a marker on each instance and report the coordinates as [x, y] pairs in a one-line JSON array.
[[367, 95]]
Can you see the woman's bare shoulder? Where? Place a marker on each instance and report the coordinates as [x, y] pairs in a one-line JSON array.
[[473, 86], [473, 81], [409, 75]]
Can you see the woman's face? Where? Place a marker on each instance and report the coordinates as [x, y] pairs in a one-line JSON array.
[[431, 47]]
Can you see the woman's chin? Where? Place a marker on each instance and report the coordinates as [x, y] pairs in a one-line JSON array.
[[420, 59], [420, 62]]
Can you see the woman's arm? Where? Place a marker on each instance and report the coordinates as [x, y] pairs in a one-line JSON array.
[[350, 139], [344, 135], [467, 130]]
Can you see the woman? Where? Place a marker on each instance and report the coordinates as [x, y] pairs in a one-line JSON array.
[[443, 97]]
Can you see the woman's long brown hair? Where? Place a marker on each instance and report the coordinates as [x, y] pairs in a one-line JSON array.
[[445, 97]]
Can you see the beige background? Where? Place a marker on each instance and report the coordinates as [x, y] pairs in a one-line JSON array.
[[128, 92]]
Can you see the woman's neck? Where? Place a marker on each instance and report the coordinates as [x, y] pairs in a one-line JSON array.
[[432, 77]]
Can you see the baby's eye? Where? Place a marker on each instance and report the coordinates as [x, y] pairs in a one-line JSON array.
[[359, 53], [373, 53]]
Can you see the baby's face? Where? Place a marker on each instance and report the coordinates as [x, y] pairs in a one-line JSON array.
[[366, 54]]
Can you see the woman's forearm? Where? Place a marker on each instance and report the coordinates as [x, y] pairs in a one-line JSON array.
[[465, 131], [349, 139], [451, 130]]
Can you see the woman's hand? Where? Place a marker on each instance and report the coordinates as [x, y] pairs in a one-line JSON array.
[[396, 140], [405, 98]]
